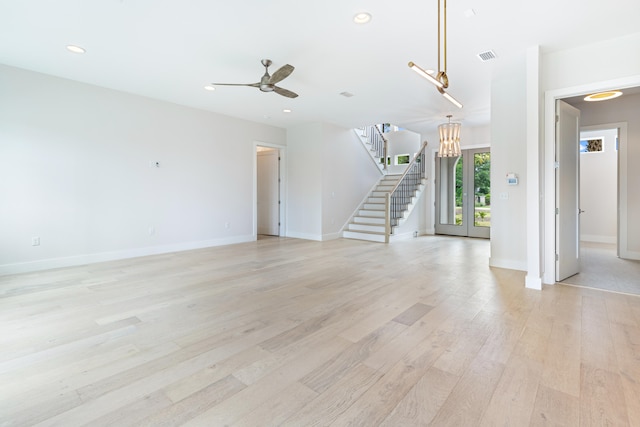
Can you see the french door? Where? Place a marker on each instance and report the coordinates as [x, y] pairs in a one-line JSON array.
[[463, 197]]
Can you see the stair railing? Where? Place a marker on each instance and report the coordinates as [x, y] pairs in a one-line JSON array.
[[400, 196], [378, 142]]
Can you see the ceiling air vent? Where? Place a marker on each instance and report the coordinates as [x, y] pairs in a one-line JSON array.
[[487, 56]]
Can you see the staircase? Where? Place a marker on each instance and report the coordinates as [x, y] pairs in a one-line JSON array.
[[369, 223], [389, 203]]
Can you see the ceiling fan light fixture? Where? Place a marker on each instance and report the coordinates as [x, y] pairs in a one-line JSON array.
[[603, 96]]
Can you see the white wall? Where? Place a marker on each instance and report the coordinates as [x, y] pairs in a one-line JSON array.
[[401, 142], [598, 189], [74, 171], [348, 176], [304, 179], [329, 174], [508, 155]]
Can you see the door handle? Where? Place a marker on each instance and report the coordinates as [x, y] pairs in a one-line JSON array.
[[580, 211]]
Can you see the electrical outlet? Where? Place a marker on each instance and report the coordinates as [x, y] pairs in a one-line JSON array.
[[35, 241]]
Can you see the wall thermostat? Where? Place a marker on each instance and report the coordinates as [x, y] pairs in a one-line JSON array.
[[512, 179]]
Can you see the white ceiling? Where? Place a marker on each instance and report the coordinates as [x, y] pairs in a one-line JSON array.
[[169, 49]]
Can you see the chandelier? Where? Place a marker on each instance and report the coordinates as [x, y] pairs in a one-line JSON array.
[[449, 139], [441, 80]]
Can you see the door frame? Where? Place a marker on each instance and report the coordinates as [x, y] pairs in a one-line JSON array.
[[548, 184], [283, 186]]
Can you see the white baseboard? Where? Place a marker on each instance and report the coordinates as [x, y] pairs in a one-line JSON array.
[[305, 236], [71, 261], [509, 264], [402, 236], [332, 236]]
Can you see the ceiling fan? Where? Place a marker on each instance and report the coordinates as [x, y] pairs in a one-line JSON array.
[[268, 83]]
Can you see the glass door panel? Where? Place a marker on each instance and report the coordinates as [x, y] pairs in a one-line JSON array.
[[450, 196], [481, 206]]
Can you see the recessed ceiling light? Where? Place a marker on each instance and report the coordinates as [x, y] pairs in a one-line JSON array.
[[75, 49], [603, 96], [286, 110], [362, 18], [209, 87]]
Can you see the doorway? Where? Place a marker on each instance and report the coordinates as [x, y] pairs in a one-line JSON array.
[[463, 197], [268, 185]]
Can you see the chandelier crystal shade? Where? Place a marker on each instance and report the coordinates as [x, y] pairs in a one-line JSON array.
[[449, 139]]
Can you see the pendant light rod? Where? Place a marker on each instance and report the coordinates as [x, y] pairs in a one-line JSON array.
[[441, 80]]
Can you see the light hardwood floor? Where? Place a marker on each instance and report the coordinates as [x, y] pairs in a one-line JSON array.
[[286, 332]]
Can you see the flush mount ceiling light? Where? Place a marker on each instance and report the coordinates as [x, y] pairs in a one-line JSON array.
[[603, 96], [286, 110], [441, 80], [449, 139], [362, 18], [209, 87], [75, 49]]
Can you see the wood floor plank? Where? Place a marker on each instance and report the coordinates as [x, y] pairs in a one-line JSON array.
[[468, 401], [602, 401], [324, 409], [555, 408], [421, 404], [279, 407], [514, 397], [395, 384], [561, 369], [626, 340], [242, 403]]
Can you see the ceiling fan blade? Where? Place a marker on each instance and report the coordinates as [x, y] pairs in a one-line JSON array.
[[237, 84], [284, 92], [281, 73]]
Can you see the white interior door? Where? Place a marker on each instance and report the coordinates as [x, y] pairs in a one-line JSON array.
[[567, 190], [268, 192]]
